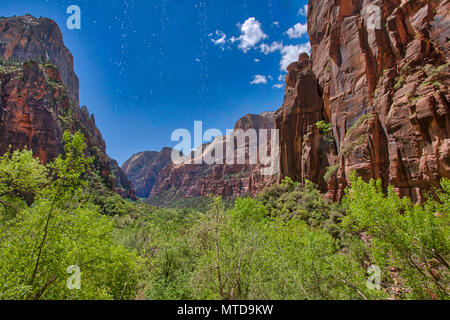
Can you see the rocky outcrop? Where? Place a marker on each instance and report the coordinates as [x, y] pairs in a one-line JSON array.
[[143, 169], [380, 70], [188, 180], [255, 121], [39, 96], [24, 38], [122, 185], [29, 112], [302, 144]]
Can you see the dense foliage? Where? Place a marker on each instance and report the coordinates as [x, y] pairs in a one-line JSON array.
[[409, 242], [286, 243], [291, 243], [48, 224]]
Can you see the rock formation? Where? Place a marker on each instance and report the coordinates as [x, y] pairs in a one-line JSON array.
[[39, 97], [143, 169], [122, 185], [227, 180], [24, 38], [379, 74], [302, 145]]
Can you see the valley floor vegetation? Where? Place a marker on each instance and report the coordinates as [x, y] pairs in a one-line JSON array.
[[286, 243]]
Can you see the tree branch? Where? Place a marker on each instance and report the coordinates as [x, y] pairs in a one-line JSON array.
[[45, 232]]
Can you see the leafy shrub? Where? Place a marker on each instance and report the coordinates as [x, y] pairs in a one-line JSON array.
[[405, 236], [326, 129], [60, 228], [400, 81], [331, 171]]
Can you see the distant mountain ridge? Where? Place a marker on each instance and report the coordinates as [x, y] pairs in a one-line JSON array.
[[173, 181]]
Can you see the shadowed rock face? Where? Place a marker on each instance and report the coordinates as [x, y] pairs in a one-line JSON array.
[[39, 96], [384, 91], [122, 185], [143, 169], [197, 180], [302, 146], [23, 38]]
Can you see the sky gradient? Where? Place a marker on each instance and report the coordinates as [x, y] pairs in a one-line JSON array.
[[147, 68]]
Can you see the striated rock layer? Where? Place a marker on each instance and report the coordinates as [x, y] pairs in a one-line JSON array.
[[226, 180], [380, 78], [39, 97]]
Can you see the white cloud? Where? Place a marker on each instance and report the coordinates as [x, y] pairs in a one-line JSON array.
[[290, 54], [259, 79], [278, 86], [276, 23], [266, 49], [222, 40], [251, 34], [303, 11], [297, 31]]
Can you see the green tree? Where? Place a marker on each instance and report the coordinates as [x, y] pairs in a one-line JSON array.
[[406, 238], [246, 254], [22, 177], [60, 229]]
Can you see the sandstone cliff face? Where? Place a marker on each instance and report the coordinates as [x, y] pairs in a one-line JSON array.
[[143, 169], [384, 90], [29, 114], [303, 148], [23, 38], [226, 180], [39, 96], [255, 121]]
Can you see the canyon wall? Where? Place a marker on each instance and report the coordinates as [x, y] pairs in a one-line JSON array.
[[189, 180], [39, 97], [379, 75], [24, 38], [143, 169]]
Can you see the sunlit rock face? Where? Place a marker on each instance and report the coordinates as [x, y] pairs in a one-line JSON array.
[[188, 180], [39, 97], [23, 38], [379, 74]]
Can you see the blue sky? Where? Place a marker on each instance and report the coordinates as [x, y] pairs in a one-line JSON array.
[[147, 68]]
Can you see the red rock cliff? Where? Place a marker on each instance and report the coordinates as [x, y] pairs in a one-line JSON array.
[[381, 78], [143, 169], [39, 96], [226, 180], [23, 38]]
